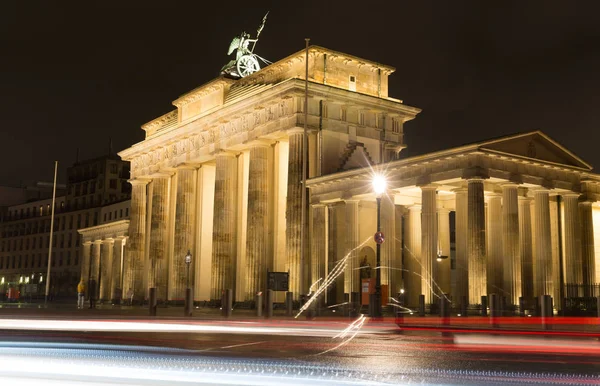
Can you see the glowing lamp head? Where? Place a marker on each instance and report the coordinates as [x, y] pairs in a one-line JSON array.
[[188, 257], [379, 184]]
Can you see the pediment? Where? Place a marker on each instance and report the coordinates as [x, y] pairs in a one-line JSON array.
[[538, 146], [356, 156]]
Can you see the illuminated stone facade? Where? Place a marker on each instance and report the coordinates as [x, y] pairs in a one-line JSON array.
[[220, 176]]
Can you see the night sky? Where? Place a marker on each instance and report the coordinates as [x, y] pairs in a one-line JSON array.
[[75, 73]]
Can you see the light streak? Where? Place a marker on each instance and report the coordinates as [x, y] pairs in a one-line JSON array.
[[335, 272], [313, 284], [353, 328]]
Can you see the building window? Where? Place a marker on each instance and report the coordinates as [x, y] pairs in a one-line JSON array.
[[126, 212], [343, 114], [105, 217], [53, 259], [69, 258], [113, 168], [352, 83], [121, 213], [13, 262], [87, 220], [109, 216], [70, 240], [20, 261], [60, 259], [26, 264], [79, 221], [95, 218], [76, 258], [361, 118], [39, 260], [41, 210], [395, 125], [113, 183]]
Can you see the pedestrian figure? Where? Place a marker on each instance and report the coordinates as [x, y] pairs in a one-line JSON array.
[[92, 293], [130, 297], [80, 294]]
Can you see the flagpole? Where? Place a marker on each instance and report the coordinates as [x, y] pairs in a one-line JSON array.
[[51, 234], [304, 172]]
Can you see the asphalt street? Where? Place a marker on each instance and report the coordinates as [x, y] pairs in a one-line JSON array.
[[363, 346]]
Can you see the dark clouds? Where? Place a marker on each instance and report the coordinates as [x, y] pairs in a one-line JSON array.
[[73, 74]]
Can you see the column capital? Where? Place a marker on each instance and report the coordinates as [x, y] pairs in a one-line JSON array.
[[139, 181], [428, 186], [318, 205], [443, 210], [586, 202], [540, 189], [186, 166], [259, 143], [162, 174], [108, 240], [415, 207], [570, 194], [98, 242], [294, 131], [225, 153], [462, 189], [475, 174], [86, 243], [509, 184]]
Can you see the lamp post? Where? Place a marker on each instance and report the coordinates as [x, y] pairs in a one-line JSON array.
[[379, 186], [187, 309]]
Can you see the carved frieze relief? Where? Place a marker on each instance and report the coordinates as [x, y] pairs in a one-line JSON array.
[[245, 122]]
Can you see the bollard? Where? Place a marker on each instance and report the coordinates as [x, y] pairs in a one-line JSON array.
[[463, 306], [269, 311], [289, 303], [444, 309], [494, 309], [152, 301], [545, 309], [346, 304], [421, 305], [354, 304], [189, 302], [228, 302], [258, 300], [372, 303], [484, 305], [521, 306], [598, 305], [223, 301]]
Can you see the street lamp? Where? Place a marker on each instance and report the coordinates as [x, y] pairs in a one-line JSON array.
[[379, 186], [187, 309]]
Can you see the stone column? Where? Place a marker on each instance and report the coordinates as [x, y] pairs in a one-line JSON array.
[[543, 246], [572, 237], [293, 212], [95, 260], [388, 248], [443, 273], [115, 273], [429, 243], [86, 261], [494, 266], [412, 256], [134, 258], [526, 247], [258, 220], [157, 274], [476, 240], [398, 273], [511, 242], [185, 221], [318, 245], [204, 232], [224, 224], [462, 261], [352, 274], [588, 266], [106, 268]]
